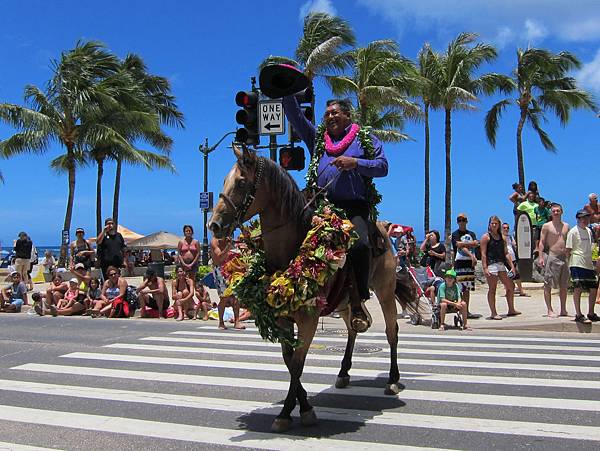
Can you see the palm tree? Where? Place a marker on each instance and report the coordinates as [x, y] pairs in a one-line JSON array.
[[374, 84], [542, 84], [64, 113], [426, 90], [458, 89], [152, 95]]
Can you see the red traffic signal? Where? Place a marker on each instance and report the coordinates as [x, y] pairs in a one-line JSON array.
[[248, 117], [292, 158]]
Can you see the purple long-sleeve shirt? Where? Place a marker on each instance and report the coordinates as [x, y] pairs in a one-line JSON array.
[[350, 185]]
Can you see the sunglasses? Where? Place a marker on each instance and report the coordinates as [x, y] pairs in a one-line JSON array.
[[113, 274], [461, 220]]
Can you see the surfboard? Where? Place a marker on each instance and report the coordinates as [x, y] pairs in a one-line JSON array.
[[524, 237]]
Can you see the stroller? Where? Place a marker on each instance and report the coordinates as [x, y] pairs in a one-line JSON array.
[[410, 292]]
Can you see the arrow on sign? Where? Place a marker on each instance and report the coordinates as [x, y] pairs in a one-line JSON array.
[[269, 126]]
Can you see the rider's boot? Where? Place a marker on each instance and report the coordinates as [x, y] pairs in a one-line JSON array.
[[361, 318]]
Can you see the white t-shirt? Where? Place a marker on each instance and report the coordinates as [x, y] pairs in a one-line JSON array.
[[579, 240]]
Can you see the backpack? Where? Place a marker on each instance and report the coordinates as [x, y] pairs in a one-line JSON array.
[[125, 306]]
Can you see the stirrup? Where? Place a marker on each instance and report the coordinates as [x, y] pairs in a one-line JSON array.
[[361, 319]]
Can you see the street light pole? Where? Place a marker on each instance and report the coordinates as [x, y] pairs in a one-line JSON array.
[[205, 149]]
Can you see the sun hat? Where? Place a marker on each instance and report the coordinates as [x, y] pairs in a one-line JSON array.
[[279, 80], [450, 273], [582, 213]]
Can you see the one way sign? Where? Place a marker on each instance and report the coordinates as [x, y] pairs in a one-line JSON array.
[[270, 117]]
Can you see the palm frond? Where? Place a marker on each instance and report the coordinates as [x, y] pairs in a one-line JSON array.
[[534, 119], [492, 118], [274, 59]]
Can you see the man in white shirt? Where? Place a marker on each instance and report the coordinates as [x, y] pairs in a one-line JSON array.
[[579, 254]]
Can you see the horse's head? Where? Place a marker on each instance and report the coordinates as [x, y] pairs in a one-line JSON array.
[[237, 201]]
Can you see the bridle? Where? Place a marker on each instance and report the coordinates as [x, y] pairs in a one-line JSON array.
[[240, 211]]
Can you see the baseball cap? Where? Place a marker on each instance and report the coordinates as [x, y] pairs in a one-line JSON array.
[[462, 216], [79, 265], [450, 273], [73, 280], [582, 213], [79, 229]]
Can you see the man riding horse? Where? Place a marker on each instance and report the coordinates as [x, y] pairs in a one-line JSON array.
[[346, 170]]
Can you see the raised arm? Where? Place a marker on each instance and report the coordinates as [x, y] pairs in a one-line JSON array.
[[305, 129]]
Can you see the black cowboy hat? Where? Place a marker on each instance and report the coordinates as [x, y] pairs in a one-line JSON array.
[[279, 80]]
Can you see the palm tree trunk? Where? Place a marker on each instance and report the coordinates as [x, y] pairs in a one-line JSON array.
[[426, 208], [69, 213], [520, 164], [100, 163], [115, 214], [448, 197]]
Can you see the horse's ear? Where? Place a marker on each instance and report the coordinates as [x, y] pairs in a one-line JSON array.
[[239, 152], [244, 156]]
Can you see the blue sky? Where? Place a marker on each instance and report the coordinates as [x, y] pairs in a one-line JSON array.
[[210, 49]]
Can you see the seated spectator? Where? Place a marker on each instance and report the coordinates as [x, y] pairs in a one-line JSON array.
[[183, 294], [82, 275], [93, 294], [153, 294], [48, 262], [114, 286], [129, 262], [14, 295], [449, 299], [73, 302], [54, 293], [202, 300]]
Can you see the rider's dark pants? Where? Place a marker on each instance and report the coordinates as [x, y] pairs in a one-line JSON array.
[[359, 254]]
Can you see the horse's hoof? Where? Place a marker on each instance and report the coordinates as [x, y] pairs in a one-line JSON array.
[[392, 389], [342, 381], [281, 425], [308, 418]]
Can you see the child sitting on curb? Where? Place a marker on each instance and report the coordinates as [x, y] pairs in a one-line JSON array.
[[449, 298]]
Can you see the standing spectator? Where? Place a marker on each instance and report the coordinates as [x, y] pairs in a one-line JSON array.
[[533, 188], [542, 213], [464, 243], [48, 262], [81, 250], [397, 232], [111, 245], [579, 252], [411, 245], [552, 256], [153, 293], [32, 261], [435, 252], [517, 197], [13, 296], [593, 209], [511, 245], [23, 248], [129, 259], [494, 258], [219, 251], [529, 207], [189, 252]]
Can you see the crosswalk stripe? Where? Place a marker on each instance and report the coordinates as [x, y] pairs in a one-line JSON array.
[[314, 369], [184, 432], [434, 396], [448, 336], [357, 358], [382, 342], [401, 351], [481, 425], [5, 446]]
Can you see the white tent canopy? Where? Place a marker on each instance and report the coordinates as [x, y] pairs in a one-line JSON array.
[[158, 240]]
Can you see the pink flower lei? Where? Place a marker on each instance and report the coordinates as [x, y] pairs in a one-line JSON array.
[[340, 148]]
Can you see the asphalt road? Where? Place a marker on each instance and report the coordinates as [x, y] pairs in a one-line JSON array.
[[97, 384]]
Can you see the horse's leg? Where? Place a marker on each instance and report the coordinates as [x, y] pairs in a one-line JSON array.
[[388, 304], [287, 352], [343, 378], [307, 325]]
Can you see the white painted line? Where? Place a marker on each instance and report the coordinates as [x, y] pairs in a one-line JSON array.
[[357, 358], [184, 432], [401, 352], [383, 343], [315, 369], [442, 336], [389, 418], [262, 384], [5, 446]]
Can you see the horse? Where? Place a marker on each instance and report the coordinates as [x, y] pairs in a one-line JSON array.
[[258, 186]]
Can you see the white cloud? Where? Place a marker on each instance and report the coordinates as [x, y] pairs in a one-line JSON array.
[[501, 21], [317, 6], [589, 75]]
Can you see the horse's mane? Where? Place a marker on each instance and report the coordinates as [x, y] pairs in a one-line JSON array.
[[292, 200]]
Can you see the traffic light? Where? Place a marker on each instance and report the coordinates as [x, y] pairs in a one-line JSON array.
[[292, 158], [305, 99], [248, 117]]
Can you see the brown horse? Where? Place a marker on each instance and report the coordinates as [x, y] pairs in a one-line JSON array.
[[258, 186]]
